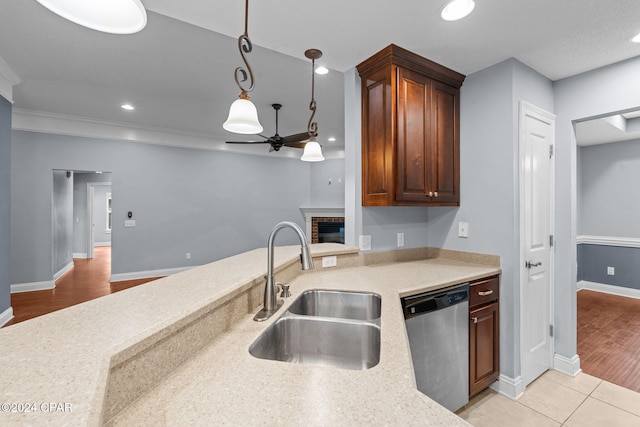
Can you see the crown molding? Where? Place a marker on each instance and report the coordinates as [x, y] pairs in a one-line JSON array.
[[8, 79], [59, 124]]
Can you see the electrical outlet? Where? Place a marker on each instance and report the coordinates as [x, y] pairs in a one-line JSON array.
[[611, 271], [188, 255], [129, 222], [329, 261], [365, 242], [400, 237], [463, 229]]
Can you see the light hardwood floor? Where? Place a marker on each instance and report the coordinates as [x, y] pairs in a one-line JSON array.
[[88, 279]]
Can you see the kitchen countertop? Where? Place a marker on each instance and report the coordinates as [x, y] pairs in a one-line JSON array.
[[64, 358]]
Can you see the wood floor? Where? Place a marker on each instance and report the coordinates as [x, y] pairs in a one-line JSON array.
[[88, 279], [609, 338]]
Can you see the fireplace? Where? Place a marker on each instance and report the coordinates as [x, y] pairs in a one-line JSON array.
[[324, 225]]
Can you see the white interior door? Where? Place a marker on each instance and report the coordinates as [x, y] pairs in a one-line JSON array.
[[537, 129]]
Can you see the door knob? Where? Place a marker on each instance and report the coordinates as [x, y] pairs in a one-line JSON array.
[[530, 264]]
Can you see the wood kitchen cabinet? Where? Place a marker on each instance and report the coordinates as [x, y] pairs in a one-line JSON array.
[[484, 333], [410, 130]]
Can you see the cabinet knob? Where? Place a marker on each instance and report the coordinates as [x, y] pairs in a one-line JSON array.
[[430, 194], [475, 319], [435, 194]]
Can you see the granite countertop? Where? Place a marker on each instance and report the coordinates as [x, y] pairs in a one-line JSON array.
[[64, 358]]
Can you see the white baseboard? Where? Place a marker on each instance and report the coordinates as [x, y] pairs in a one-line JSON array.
[[62, 271], [512, 388], [101, 244], [82, 255], [121, 277], [609, 289], [5, 316], [567, 365], [33, 286]]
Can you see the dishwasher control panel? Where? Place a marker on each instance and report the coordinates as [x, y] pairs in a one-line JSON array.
[[436, 300]]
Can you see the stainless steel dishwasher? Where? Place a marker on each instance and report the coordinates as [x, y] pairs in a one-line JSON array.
[[438, 329]]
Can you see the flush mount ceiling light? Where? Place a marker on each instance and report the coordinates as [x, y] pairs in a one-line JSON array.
[[457, 9], [109, 16], [636, 38], [243, 116], [127, 107], [312, 150]]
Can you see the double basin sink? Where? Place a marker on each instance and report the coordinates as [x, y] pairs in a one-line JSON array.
[[325, 327]]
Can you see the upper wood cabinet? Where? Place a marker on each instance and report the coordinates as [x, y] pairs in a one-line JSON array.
[[410, 130]]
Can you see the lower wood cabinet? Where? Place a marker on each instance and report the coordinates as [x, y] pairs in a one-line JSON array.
[[484, 334]]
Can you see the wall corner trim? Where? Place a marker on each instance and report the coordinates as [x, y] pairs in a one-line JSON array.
[[512, 388], [8, 79], [567, 365], [6, 316]]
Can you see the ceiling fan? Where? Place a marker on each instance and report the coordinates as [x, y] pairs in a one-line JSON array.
[[276, 141]]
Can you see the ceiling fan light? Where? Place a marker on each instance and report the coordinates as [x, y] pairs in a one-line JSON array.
[[457, 9], [243, 118], [109, 16], [636, 38], [312, 152]]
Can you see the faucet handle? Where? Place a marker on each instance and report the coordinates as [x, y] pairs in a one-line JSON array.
[[285, 289]]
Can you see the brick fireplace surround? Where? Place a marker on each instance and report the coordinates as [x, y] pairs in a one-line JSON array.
[[314, 224]]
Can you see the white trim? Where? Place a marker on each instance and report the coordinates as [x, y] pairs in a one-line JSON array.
[[102, 243], [121, 277], [33, 286], [82, 255], [609, 289], [59, 124], [567, 365], [8, 79], [512, 388], [62, 271], [524, 109], [309, 213], [6, 316], [628, 242], [90, 196]]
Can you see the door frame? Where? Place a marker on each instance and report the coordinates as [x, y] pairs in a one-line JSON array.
[[90, 195], [526, 108]]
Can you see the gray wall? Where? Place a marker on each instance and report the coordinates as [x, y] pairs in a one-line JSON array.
[[609, 192], [62, 220], [5, 204], [599, 92], [80, 227], [212, 204], [324, 194], [593, 261]]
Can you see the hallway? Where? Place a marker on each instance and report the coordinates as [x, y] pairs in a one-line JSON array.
[[88, 279]]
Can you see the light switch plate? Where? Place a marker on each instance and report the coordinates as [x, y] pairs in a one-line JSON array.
[[463, 229], [365, 242], [400, 238], [129, 222]]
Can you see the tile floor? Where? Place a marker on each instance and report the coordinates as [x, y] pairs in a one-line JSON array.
[[556, 399]]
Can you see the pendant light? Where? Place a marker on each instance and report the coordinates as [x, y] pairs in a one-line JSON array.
[[312, 150], [109, 16], [243, 116]]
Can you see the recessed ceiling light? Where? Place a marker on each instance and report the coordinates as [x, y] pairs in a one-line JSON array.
[[636, 38], [457, 9], [322, 70], [127, 107], [109, 16], [331, 139]]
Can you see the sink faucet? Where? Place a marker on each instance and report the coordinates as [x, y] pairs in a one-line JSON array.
[[271, 303]]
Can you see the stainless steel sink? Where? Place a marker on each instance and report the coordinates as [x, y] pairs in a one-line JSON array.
[[339, 304], [322, 341], [329, 328]]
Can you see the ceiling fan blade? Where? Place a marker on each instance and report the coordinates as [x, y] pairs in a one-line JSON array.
[[247, 142], [295, 138], [295, 144]]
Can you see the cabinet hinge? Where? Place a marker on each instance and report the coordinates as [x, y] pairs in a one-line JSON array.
[[551, 240], [550, 330], [551, 151]]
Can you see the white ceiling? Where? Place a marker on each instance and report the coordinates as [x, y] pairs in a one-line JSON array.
[[178, 71]]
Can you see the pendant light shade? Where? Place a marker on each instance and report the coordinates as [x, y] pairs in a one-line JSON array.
[[312, 152], [109, 16], [243, 117]]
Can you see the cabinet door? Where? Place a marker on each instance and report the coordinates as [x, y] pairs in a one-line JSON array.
[[484, 347], [413, 131], [445, 144], [377, 139]]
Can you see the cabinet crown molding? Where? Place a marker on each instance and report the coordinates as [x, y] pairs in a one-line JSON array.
[[396, 55]]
